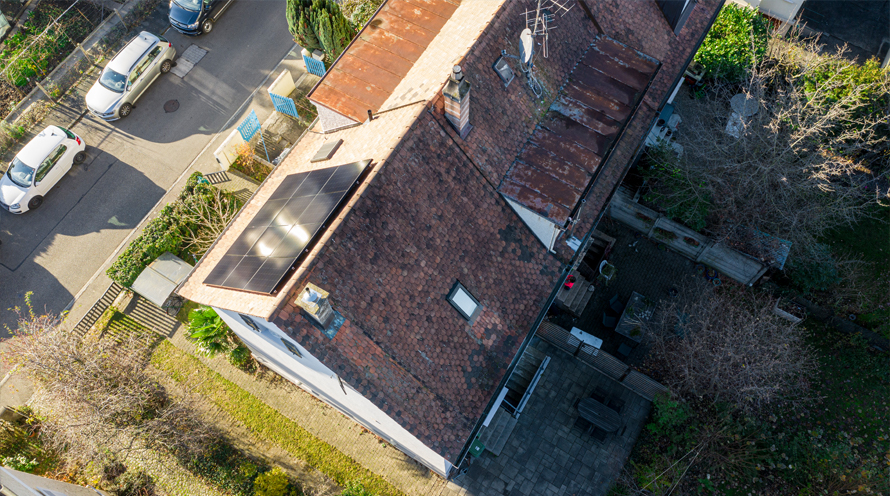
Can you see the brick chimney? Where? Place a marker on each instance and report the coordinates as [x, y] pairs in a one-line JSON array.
[[457, 102]]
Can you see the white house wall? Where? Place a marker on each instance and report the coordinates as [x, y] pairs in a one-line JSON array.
[[316, 378]]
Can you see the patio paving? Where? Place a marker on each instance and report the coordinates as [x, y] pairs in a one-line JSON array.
[[643, 267], [548, 454]]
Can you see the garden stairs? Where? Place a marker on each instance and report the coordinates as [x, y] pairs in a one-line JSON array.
[[520, 385]]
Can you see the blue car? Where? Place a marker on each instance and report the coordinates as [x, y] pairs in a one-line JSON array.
[[194, 17]]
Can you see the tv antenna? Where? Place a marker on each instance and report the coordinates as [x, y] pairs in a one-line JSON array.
[[541, 20], [538, 24]]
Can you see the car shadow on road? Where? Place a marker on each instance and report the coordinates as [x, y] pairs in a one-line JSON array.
[[82, 221]]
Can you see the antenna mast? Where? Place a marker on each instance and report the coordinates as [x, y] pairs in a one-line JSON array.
[[540, 20]]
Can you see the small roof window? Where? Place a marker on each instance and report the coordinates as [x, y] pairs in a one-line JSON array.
[[464, 302]]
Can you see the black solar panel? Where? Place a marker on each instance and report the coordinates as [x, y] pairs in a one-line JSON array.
[[281, 232]]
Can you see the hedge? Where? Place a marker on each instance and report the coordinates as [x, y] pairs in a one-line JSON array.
[[162, 234]]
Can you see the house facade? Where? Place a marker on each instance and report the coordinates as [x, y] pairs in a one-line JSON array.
[[398, 261]]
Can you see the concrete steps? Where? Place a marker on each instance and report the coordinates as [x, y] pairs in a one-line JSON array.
[[495, 436]]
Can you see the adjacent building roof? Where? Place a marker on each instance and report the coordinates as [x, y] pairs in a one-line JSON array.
[[384, 52], [551, 173]]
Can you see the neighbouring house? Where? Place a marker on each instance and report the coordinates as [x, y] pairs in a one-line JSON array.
[[15, 483], [398, 261]]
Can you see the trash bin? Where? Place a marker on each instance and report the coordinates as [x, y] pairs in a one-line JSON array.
[[476, 448]]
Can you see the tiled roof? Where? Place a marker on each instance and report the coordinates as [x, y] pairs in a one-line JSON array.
[[430, 213], [384, 52], [428, 220], [550, 174]]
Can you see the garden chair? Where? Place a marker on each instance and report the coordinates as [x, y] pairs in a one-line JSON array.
[[610, 319], [623, 351], [599, 395]]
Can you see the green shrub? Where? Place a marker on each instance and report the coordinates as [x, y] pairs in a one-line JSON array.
[[240, 357], [19, 462], [225, 467], [738, 35], [816, 272], [273, 483], [162, 234], [355, 488], [209, 332], [319, 25], [673, 191]]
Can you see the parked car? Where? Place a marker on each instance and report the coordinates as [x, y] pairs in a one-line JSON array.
[[129, 74], [194, 17], [38, 167]]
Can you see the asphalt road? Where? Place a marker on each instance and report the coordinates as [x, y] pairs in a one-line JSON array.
[[55, 250]]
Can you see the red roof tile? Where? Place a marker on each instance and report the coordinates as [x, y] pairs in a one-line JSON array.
[[381, 55]]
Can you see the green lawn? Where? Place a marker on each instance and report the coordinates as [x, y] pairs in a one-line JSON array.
[[265, 421]]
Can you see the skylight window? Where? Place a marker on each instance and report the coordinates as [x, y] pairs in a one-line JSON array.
[[464, 302]]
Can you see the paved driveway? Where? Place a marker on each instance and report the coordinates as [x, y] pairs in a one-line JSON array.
[[55, 250]]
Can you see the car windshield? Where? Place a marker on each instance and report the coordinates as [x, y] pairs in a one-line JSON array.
[[113, 81], [189, 4], [20, 173]]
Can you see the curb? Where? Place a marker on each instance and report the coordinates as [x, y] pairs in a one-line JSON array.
[[177, 186]]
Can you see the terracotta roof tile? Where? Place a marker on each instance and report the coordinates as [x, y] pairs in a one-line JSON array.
[[388, 46]]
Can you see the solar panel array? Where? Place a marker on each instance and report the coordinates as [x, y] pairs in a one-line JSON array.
[[284, 228]]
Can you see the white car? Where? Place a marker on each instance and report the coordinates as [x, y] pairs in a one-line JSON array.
[[129, 74], [38, 167]]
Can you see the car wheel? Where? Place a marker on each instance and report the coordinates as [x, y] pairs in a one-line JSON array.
[[80, 157], [35, 202], [166, 66], [207, 26], [125, 110]]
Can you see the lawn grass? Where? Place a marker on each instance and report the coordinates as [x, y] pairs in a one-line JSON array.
[[867, 239], [265, 421]]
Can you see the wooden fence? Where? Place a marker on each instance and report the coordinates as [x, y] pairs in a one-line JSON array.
[[698, 247]]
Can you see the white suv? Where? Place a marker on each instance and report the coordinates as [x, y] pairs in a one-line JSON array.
[[38, 167]]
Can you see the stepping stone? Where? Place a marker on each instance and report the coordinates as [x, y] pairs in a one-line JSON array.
[[189, 58]]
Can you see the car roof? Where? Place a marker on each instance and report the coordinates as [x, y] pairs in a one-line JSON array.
[[126, 58], [38, 148]]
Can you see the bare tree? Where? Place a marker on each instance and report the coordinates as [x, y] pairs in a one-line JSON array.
[[727, 345], [812, 158], [207, 219], [99, 398]]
